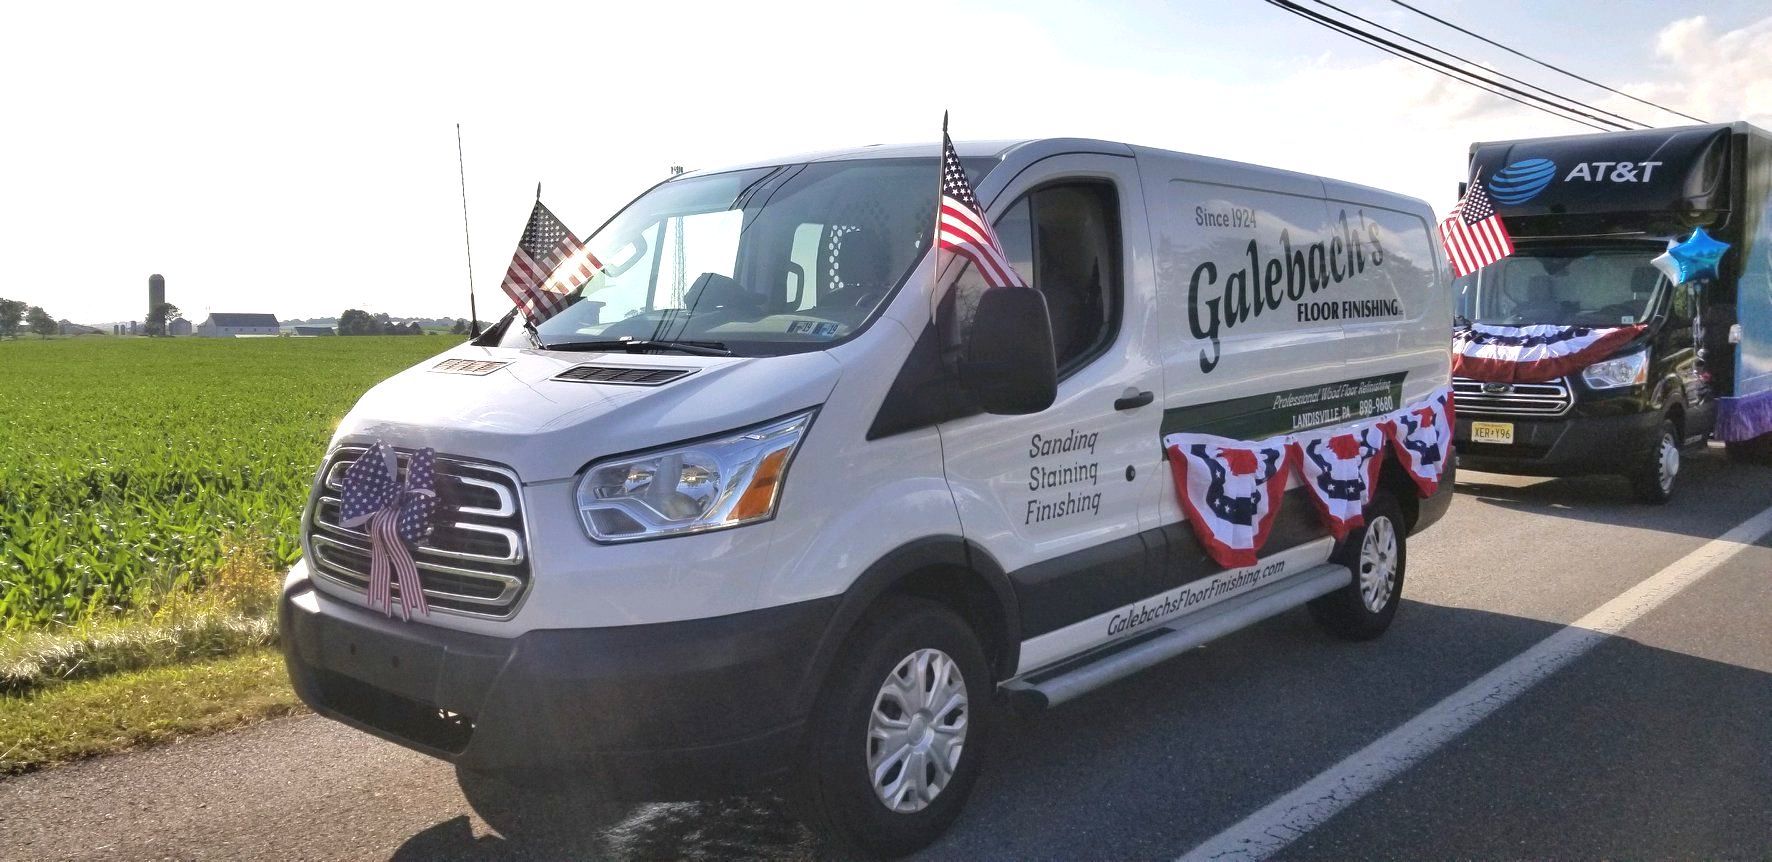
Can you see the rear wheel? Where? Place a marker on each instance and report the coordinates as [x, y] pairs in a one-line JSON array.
[[1658, 469], [1377, 553], [894, 744]]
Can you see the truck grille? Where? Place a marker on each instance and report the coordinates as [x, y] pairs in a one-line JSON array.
[[1475, 398], [473, 562]]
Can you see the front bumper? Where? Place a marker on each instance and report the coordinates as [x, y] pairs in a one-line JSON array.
[[1566, 446], [662, 711]]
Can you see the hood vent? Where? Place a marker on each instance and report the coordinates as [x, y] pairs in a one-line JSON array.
[[476, 367], [622, 375]]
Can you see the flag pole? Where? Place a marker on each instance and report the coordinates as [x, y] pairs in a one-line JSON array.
[[935, 238], [467, 238]]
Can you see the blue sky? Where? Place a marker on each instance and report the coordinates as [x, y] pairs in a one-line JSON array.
[[301, 159]]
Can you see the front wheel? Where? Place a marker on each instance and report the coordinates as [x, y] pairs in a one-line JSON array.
[[894, 744], [1656, 470], [1377, 554]]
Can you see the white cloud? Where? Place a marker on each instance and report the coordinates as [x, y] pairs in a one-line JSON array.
[[1719, 76]]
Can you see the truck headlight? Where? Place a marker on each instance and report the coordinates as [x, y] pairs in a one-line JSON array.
[[1627, 370], [727, 481]]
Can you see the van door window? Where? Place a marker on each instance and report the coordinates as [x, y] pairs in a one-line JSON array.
[[1065, 239]]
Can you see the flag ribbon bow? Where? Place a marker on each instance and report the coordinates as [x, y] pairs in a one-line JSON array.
[[394, 514]]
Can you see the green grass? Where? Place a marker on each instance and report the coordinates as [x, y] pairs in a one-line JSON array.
[[234, 612], [124, 710], [129, 467]]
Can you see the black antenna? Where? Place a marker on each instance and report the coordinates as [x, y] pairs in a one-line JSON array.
[[538, 191], [461, 166]]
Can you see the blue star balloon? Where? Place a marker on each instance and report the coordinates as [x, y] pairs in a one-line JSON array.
[[1696, 257]]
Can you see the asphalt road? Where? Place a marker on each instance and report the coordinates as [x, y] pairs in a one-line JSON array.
[[1655, 744]]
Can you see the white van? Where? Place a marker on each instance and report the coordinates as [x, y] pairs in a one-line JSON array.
[[776, 501]]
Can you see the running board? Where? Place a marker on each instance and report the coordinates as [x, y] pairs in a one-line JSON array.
[[1058, 683]]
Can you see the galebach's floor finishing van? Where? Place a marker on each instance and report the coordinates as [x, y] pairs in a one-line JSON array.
[[1587, 214], [811, 525]]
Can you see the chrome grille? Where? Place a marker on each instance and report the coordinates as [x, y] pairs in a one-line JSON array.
[[1475, 398], [474, 561]]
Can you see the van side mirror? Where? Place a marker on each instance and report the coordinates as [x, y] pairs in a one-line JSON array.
[[1009, 364]]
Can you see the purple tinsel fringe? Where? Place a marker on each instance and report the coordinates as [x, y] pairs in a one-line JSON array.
[[1744, 418]]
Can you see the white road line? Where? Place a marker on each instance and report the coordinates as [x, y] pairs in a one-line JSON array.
[[1289, 817]]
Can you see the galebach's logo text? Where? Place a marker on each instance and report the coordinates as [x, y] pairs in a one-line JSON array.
[[1264, 285]]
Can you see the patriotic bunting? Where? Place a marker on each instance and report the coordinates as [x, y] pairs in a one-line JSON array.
[[1533, 354], [394, 515], [1231, 489], [1421, 435], [1340, 471]]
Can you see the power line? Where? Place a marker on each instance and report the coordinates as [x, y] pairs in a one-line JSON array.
[[1557, 69], [1529, 100], [1551, 93]]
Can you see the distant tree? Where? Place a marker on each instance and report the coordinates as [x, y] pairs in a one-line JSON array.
[[40, 321], [160, 317], [12, 313], [460, 327], [413, 329], [356, 321]]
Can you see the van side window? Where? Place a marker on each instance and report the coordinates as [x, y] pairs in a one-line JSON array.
[[1065, 239]]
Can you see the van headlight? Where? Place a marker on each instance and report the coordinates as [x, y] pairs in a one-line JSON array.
[[711, 484], [1626, 370]]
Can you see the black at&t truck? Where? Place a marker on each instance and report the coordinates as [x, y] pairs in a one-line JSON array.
[[1588, 214]]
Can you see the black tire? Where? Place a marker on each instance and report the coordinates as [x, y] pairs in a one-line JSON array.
[[1345, 612], [553, 815], [836, 788], [1656, 472]]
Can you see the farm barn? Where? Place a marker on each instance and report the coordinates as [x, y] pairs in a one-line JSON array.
[[229, 325]]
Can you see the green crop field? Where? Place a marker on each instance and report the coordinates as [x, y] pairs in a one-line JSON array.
[[126, 464]]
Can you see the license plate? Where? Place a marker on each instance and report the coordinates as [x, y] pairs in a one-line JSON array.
[[1492, 432]]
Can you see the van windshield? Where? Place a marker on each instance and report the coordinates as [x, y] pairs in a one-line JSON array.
[[753, 262], [1564, 285]]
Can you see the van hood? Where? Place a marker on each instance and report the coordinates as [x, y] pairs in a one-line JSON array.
[[515, 408]]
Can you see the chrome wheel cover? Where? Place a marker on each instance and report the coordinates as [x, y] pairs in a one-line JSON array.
[[916, 730], [1378, 563], [1669, 463]]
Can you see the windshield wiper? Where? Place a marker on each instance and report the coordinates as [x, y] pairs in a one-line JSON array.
[[634, 345]]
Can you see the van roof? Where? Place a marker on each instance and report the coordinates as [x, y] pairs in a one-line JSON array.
[[931, 149], [1033, 149]]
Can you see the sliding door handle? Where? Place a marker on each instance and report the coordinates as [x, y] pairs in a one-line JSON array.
[[1134, 400]]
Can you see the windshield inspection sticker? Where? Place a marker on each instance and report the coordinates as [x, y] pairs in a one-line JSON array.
[[819, 328]]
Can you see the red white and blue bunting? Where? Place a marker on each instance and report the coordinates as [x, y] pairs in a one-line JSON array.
[[1533, 354], [1231, 489], [1340, 470], [1422, 438]]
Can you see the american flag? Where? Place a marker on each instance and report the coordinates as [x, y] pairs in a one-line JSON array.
[[371, 494], [961, 226], [549, 267], [1473, 233]]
